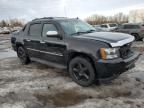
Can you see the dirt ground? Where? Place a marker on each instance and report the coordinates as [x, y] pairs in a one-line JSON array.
[[39, 86]]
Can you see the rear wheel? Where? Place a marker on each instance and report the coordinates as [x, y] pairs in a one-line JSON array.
[[136, 36], [24, 58], [82, 71]]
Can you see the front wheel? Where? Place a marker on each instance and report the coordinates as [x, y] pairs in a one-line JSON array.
[[82, 71], [23, 55]]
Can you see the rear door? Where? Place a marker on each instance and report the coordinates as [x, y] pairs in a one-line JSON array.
[[52, 47], [33, 38]]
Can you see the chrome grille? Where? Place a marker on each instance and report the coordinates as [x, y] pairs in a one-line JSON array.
[[125, 51]]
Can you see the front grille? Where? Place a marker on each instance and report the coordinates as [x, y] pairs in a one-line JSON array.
[[125, 51]]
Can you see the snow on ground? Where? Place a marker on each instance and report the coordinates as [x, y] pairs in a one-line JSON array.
[[40, 86], [6, 53]]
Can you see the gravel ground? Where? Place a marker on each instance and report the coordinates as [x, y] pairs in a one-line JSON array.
[[39, 86]]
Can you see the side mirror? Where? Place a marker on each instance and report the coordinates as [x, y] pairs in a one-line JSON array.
[[52, 33]]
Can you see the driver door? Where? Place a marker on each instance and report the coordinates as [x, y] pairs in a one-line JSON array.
[[52, 46]]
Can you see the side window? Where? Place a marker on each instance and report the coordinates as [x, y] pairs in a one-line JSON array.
[[48, 27], [131, 26], [104, 26], [121, 27], [112, 25], [127, 26], [136, 27], [35, 30]]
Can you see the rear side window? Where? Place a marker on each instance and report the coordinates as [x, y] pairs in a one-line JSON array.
[[120, 26], [131, 27], [112, 25], [35, 30], [48, 27], [104, 26]]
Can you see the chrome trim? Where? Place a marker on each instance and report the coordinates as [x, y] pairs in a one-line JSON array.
[[28, 40], [123, 42], [45, 52], [54, 42], [42, 42]]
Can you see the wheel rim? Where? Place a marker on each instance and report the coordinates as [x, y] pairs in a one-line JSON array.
[[81, 72], [21, 54]]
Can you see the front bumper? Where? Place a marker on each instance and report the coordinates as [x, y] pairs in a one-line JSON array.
[[106, 69]]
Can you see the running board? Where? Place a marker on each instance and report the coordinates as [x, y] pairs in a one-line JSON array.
[[49, 63]]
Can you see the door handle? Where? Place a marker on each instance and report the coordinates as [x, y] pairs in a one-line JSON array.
[[42, 42], [28, 40]]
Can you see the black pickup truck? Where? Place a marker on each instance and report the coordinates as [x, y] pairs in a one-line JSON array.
[[72, 44]]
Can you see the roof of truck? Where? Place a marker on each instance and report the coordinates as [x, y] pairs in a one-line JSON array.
[[51, 18]]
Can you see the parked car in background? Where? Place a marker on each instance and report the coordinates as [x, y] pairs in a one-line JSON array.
[[98, 28], [137, 30], [109, 27], [0, 30], [5, 30], [16, 28], [72, 44]]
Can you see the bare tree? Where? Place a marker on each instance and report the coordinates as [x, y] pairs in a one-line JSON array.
[[141, 16], [133, 16], [11, 23], [99, 19], [15, 22], [3, 23]]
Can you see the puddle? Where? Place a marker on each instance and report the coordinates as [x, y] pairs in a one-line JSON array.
[[114, 93], [61, 99]]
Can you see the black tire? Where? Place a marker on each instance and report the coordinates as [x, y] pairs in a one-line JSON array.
[[23, 56], [82, 71], [137, 38]]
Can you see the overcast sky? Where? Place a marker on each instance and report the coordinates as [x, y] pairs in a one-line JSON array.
[[29, 9]]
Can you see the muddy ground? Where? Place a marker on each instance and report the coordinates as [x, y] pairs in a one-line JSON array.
[[39, 86]]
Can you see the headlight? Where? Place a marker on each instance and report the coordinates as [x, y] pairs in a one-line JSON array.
[[109, 53]]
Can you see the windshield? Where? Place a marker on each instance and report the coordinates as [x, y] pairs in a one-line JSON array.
[[75, 26]]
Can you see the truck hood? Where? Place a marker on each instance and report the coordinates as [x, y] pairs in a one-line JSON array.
[[114, 39]]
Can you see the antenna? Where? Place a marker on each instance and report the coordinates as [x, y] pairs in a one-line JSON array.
[[65, 11], [63, 3]]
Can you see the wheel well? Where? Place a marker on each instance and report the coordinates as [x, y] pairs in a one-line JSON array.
[[136, 35], [77, 54], [18, 45]]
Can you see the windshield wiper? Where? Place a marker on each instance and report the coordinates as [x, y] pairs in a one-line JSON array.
[[90, 31], [78, 33]]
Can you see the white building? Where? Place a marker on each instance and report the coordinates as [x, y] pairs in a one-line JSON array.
[[136, 16]]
